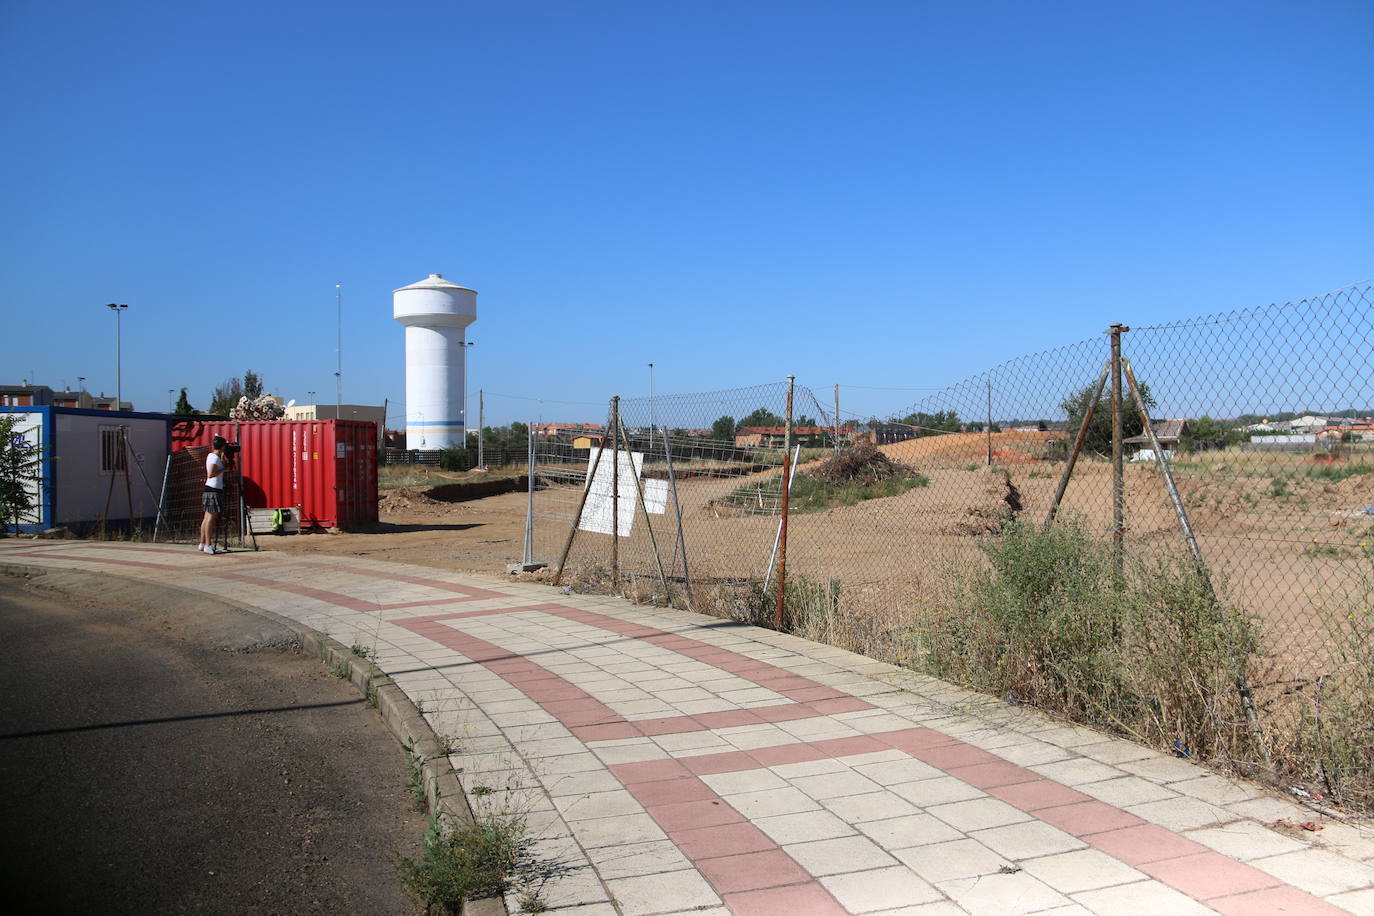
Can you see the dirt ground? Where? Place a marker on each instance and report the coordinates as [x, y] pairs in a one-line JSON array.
[[1284, 544]]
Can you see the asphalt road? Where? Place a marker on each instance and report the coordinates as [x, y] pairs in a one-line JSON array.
[[161, 753]]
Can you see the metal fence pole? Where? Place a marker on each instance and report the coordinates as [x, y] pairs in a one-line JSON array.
[[677, 510], [527, 557], [615, 490], [782, 536], [837, 418], [1118, 469], [989, 421], [481, 425]]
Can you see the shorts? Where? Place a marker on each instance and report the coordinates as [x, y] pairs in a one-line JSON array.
[[213, 501]]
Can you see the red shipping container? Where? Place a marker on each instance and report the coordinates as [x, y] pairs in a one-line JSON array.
[[326, 468]]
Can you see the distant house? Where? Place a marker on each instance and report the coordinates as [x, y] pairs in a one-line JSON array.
[[887, 433], [564, 429], [775, 436], [25, 395], [1168, 432]]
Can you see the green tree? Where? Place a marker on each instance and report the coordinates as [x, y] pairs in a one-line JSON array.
[[20, 473], [761, 417], [184, 408], [252, 385], [930, 424], [724, 428], [1205, 430], [226, 396], [1099, 438]]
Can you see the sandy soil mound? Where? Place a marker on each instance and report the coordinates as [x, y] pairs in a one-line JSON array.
[[1008, 447]]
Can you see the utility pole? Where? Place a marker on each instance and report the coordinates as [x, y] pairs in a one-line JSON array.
[[837, 418]]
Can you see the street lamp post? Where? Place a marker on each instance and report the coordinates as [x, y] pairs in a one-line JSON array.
[[171, 404], [119, 356]]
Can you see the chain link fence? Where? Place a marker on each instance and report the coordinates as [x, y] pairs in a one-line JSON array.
[[1205, 583]]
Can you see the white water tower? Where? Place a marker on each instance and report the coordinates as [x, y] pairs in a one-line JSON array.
[[435, 313]]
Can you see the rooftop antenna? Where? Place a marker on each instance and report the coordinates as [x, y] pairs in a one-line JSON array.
[[338, 371]]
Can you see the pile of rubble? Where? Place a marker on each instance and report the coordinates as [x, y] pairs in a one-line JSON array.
[[861, 463], [265, 407]]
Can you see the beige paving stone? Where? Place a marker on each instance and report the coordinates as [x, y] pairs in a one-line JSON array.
[[1115, 751], [1032, 752], [790, 771], [771, 802], [871, 806], [925, 793], [999, 894], [804, 827], [1163, 769], [908, 830], [1075, 771], [978, 814], [834, 785], [1215, 790], [1027, 839], [581, 783], [685, 889], [1359, 902], [1143, 897], [728, 784], [616, 831], [1268, 809], [580, 887], [1317, 872], [843, 854], [892, 772], [883, 888], [597, 804], [938, 908], [569, 763], [1126, 790], [1182, 813], [1245, 840], [1081, 870], [962, 858], [630, 860]]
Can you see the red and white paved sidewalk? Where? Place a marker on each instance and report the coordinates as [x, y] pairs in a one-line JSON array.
[[680, 763]]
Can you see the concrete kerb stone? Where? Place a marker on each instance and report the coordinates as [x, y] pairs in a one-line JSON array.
[[443, 789]]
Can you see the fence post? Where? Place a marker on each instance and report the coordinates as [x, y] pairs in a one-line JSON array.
[[1077, 444], [782, 537], [527, 559], [837, 418], [581, 507], [989, 428], [1118, 469], [481, 424], [615, 490]]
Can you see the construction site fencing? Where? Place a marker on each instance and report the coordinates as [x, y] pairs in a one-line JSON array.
[[183, 506], [1167, 530]]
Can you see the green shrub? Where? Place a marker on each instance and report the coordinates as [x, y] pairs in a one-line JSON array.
[[454, 458], [1045, 623], [473, 862]]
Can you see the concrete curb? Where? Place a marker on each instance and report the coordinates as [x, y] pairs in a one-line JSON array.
[[444, 796]]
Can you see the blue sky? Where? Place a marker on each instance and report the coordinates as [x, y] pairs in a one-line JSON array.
[[887, 195]]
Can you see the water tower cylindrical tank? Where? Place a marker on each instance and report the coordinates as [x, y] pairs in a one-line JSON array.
[[435, 313]]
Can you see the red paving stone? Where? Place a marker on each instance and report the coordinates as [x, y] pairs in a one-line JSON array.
[[786, 753], [752, 871], [1145, 843], [795, 900], [1274, 900], [914, 739], [649, 771], [1084, 818], [726, 840], [1208, 874], [1036, 794], [671, 791], [947, 756], [992, 775], [693, 814]]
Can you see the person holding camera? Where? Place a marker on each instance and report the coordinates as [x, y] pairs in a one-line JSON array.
[[216, 466]]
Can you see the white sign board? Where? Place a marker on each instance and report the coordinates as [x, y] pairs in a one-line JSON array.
[[28, 428], [596, 514]]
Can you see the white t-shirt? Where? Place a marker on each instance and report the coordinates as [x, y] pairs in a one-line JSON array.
[[213, 461]]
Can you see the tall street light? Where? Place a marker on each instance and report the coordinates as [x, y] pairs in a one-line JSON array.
[[119, 356]]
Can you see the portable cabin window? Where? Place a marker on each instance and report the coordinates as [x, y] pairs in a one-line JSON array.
[[112, 451]]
